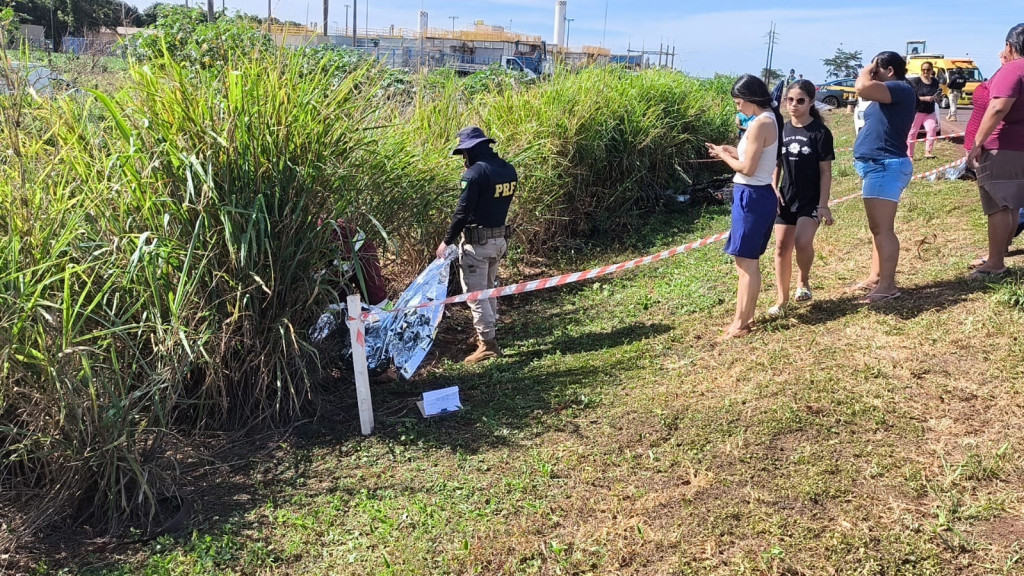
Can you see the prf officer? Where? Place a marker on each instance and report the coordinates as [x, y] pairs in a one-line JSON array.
[[488, 186]]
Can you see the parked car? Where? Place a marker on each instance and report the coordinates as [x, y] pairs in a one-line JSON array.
[[836, 93]]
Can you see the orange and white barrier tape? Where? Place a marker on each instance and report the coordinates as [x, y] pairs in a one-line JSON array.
[[563, 279], [943, 137], [357, 330], [924, 175]]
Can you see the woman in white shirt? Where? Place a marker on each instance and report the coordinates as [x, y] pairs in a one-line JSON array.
[[754, 204]]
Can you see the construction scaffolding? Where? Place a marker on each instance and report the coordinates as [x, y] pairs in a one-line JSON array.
[[464, 50], [666, 56]]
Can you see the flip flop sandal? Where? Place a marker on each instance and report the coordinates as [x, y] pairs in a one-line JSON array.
[[987, 275], [977, 262], [803, 294], [859, 288], [876, 298]]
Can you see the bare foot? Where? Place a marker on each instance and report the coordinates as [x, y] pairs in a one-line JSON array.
[[731, 333]]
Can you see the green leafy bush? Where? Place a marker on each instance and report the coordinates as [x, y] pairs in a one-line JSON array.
[[188, 38]]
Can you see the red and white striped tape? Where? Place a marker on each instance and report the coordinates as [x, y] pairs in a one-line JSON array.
[[943, 137], [953, 164], [563, 279], [360, 329]]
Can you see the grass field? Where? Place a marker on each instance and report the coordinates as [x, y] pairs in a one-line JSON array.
[[617, 437]]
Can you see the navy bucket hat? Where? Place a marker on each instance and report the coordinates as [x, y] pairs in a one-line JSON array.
[[469, 137]]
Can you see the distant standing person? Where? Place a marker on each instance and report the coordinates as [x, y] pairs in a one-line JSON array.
[[804, 184], [742, 122], [754, 202], [880, 158], [928, 92], [956, 84], [488, 186]]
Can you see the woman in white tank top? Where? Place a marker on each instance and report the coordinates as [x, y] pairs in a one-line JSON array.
[[754, 201]]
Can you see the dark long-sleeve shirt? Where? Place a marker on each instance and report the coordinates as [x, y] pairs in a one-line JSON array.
[[488, 186]]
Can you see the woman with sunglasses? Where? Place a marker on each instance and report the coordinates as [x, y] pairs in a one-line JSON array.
[[928, 92], [754, 203], [803, 184]]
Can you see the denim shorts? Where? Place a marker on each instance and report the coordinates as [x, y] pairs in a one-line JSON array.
[[886, 178]]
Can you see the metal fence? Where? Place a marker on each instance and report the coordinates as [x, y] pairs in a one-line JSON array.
[[91, 46]]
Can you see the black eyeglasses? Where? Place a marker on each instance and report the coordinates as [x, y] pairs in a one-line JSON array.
[[797, 101]]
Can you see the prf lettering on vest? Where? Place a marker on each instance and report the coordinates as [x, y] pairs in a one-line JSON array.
[[506, 189]]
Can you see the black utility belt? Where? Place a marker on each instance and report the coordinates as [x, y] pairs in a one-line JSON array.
[[479, 234]]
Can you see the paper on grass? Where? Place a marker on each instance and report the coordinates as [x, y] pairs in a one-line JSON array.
[[441, 401]]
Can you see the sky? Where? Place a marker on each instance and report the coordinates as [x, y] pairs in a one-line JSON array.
[[728, 37]]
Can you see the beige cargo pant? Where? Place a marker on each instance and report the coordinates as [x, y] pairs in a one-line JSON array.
[[478, 267]]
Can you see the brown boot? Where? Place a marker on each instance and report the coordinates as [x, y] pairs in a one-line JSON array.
[[485, 350]]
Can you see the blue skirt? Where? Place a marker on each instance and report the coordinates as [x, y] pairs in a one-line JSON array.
[[753, 215]]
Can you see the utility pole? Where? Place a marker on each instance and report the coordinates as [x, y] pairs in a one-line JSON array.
[[453, 19], [347, 6], [568, 21], [772, 37], [326, 6], [354, 35], [604, 32], [209, 10]]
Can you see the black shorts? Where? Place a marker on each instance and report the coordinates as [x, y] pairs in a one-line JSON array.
[[789, 218]]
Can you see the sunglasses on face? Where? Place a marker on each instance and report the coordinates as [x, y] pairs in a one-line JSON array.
[[797, 101]]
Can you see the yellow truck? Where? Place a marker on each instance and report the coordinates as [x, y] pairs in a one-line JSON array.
[[918, 54]]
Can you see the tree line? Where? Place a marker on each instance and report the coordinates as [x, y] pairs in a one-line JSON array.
[[60, 18]]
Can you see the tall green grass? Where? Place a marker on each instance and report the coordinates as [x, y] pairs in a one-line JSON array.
[[160, 246]]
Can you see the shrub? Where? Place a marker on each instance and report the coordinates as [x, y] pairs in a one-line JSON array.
[[190, 40]]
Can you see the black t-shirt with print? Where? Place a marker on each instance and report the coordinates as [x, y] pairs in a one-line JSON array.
[[802, 149], [922, 89]]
